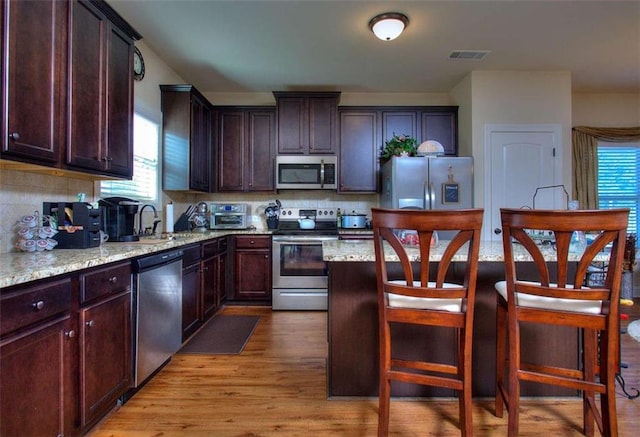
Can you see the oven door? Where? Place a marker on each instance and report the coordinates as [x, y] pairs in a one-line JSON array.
[[298, 263]]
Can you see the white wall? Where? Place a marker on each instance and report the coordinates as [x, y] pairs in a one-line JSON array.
[[513, 97], [606, 109]]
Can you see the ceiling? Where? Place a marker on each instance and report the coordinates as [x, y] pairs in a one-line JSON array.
[[268, 45]]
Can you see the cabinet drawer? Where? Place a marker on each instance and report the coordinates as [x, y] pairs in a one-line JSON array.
[[253, 242], [191, 255], [32, 304], [105, 281], [209, 249]]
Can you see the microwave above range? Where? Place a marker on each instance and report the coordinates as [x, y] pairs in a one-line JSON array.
[[307, 172], [228, 216]]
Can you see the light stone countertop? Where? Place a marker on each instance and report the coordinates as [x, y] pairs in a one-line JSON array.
[[362, 250], [21, 267]]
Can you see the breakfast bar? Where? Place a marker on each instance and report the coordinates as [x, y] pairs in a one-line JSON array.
[[352, 368]]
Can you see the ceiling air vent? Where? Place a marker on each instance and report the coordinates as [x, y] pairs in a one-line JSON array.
[[472, 55]]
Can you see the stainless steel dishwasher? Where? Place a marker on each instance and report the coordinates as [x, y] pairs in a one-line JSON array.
[[157, 305]]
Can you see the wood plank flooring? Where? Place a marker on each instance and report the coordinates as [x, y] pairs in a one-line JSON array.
[[277, 387]]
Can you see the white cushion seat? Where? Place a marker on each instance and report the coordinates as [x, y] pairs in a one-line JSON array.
[[550, 303], [425, 303]]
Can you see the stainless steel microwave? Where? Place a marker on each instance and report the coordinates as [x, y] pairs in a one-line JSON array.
[[307, 172]]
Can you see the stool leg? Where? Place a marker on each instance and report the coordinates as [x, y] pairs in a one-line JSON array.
[[513, 402], [385, 385], [465, 400], [589, 364], [501, 338], [607, 375]]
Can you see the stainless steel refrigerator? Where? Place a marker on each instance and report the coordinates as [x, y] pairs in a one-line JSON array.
[[432, 182]]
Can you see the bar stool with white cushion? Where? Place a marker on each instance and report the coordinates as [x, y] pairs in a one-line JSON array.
[[559, 297], [418, 299]]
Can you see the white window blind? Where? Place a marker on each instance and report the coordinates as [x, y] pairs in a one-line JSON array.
[[144, 185], [619, 179]]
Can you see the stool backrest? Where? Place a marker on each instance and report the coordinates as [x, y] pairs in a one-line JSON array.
[[605, 231], [388, 225]]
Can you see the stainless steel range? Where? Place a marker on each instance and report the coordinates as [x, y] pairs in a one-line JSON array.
[[299, 273]]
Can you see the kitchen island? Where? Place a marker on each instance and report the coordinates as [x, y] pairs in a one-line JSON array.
[[352, 368]]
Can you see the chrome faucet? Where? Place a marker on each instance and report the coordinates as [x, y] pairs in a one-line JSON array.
[[156, 220]]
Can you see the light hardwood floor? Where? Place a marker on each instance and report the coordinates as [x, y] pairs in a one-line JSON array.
[[277, 387]]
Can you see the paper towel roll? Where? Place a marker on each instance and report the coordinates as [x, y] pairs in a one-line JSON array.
[[168, 218]]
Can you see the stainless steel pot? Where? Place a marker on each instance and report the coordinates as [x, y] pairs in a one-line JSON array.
[[354, 221]]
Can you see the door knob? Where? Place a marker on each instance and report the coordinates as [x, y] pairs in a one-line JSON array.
[[497, 231]]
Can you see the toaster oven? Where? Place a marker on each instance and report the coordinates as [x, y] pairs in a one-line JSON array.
[[228, 216]]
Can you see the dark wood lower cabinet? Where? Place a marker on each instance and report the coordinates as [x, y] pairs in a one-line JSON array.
[[352, 367], [105, 355], [36, 380], [252, 268], [191, 298]]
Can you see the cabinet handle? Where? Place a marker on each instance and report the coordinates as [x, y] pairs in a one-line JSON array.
[[90, 323], [252, 242], [15, 136], [113, 280], [70, 334], [38, 305], [107, 159]]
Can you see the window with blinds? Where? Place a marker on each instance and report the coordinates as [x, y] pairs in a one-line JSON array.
[[619, 179], [144, 185]]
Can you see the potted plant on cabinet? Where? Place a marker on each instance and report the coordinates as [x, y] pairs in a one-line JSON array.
[[399, 145]]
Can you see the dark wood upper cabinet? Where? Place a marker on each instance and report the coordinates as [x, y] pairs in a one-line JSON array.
[[245, 145], [307, 123], [187, 139], [100, 94], [441, 124], [34, 66], [69, 99], [359, 151], [399, 122]]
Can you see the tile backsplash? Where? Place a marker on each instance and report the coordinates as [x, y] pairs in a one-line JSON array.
[[22, 193]]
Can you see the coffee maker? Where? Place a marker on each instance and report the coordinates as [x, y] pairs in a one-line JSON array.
[[118, 218]]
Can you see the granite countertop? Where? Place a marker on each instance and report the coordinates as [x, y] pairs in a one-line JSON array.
[[362, 250], [21, 267]]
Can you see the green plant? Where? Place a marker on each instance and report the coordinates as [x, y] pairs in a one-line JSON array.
[[400, 145]]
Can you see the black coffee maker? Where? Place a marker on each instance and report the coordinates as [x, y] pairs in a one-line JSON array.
[[118, 218]]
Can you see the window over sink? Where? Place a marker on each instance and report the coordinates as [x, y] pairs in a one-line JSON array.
[[146, 175]]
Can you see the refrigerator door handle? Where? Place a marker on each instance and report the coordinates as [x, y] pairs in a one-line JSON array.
[[427, 195], [432, 196]]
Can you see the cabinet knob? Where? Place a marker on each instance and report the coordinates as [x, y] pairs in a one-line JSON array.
[[252, 242], [497, 231], [15, 136], [90, 323], [107, 159], [70, 334], [38, 305], [113, 280]]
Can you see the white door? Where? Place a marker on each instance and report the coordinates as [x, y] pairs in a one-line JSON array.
[[518, 160]]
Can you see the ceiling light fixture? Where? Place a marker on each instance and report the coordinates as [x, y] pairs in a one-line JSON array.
[[389, 25]]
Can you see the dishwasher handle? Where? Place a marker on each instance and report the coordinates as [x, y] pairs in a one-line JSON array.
[[153, 261]]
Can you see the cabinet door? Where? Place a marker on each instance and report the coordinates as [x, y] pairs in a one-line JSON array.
[[105, 355], [399, 123], [292, 122], [191, 302], [442, 127], [201, 146], [209, 276], [359, 151], [87, 147], [323, 120], [34, 67], [260, 152], [36, 394], [252, 275], [120, 104], [221, 285], [231, 149]]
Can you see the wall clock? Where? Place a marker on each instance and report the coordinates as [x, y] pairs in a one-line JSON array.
[[138, 64]]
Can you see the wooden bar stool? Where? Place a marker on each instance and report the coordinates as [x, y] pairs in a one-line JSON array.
[[558, 299], [419, 299]]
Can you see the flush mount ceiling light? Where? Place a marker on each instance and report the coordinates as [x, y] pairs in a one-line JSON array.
[[389, 25]]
